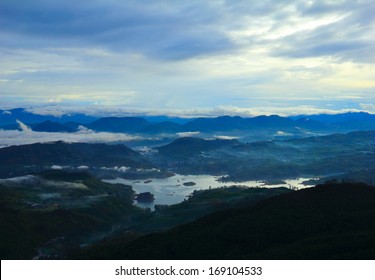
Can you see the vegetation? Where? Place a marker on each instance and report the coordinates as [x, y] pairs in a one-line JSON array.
[[49, 214], [204, 202], [101, 159], [271, 160], [53, 213], [332, 221], [145, 197], [189, 146], [201, 203], [44, 216]]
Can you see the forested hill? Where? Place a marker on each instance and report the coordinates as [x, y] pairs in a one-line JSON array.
[[331, 221], [19, 160]]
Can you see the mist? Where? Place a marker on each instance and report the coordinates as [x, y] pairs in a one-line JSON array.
[[28, 136]]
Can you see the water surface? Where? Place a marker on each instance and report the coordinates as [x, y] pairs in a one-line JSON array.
[[172, 190]]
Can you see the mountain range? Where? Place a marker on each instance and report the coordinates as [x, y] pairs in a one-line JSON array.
[[316, 156], [275, 125], [55, 201], [10, 116]]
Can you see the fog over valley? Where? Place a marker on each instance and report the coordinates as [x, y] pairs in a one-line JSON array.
[[27, 136]]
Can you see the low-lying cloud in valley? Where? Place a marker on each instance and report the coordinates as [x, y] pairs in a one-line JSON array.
[[188, 134], [28, 136]]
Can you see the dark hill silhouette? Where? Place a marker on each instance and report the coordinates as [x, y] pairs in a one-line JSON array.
[[114, 124], [331, 221], [215, 124], [345, 121], [162, 127], [29, 222], [23, 115], [49, 126], [185, 146], [273, 121], [227, 123], [309, 124], [338, 118], [14, 158], [73, 125]]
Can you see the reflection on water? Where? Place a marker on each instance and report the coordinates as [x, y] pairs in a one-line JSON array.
[[172, 190]]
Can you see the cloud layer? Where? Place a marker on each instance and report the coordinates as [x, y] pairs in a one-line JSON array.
[[195, 54], [27, 136]]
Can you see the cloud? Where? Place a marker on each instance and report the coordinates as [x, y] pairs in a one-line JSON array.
[[226, 137], [187, 134], [123, 169], [83, 167], [320, 105], [176, 54], [281, 111], [24, 127], [27, 136], [369, 107], [175, 30], [167, 30], [57, 167], [339, 30], [282, 133]]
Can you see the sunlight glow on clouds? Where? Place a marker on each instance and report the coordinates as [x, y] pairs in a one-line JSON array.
[[176, 55]]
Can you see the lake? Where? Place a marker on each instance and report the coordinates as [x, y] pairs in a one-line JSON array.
[[172, 190]]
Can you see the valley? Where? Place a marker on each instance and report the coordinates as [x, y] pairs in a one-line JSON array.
[[101, 196]]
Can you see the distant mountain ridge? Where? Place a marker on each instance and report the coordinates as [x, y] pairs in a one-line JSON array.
[[321, 123], [11, 116], [50, 126], [337, 118], [351, 120], [115, 124]]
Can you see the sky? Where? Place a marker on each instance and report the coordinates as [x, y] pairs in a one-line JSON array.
[[188, 57]]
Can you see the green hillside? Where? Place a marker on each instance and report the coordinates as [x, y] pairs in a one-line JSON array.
[[331, 221]]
